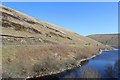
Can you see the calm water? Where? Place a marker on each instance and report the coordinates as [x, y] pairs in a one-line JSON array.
[[100, 66]]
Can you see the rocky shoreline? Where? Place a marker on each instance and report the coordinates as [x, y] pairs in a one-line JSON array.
[[33, 48], [78, 65]]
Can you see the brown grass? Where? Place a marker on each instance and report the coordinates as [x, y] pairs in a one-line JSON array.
[[44, 59]]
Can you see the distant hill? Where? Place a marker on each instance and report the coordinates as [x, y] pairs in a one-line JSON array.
[[33, 48], [107, 39]]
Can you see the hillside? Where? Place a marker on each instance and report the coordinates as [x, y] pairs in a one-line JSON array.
[[107, 39], [31, 47]]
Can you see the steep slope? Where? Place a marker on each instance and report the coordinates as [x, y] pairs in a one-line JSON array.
[[35, 48], [107, 39]]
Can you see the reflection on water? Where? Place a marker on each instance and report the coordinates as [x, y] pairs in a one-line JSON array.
[[89, 72], [106, 65], [117, 68]]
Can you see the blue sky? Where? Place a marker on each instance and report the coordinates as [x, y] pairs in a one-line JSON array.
[[84, 18]]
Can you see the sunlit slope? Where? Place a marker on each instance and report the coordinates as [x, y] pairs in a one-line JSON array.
[[36, 48], [107, 39]]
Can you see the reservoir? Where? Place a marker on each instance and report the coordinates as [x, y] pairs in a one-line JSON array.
[[105, 65]]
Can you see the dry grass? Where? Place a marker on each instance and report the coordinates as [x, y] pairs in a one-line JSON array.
[[60, 49], [34, 60]]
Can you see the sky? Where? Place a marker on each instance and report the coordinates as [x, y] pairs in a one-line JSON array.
[[84, 18], [60, 0]]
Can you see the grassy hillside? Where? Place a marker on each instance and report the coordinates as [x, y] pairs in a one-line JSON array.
[[107, 39], [35, 48]]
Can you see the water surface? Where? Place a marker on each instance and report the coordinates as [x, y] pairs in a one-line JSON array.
[[100, 66]]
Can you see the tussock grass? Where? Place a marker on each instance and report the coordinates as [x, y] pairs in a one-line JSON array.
[[40, 60]]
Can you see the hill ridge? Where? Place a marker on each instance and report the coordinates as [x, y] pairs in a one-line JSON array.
[[32, 48]]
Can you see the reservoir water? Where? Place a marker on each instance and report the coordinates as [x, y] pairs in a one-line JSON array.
[[105, 65]]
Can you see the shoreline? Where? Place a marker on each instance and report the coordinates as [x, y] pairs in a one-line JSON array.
[[78, 65]]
